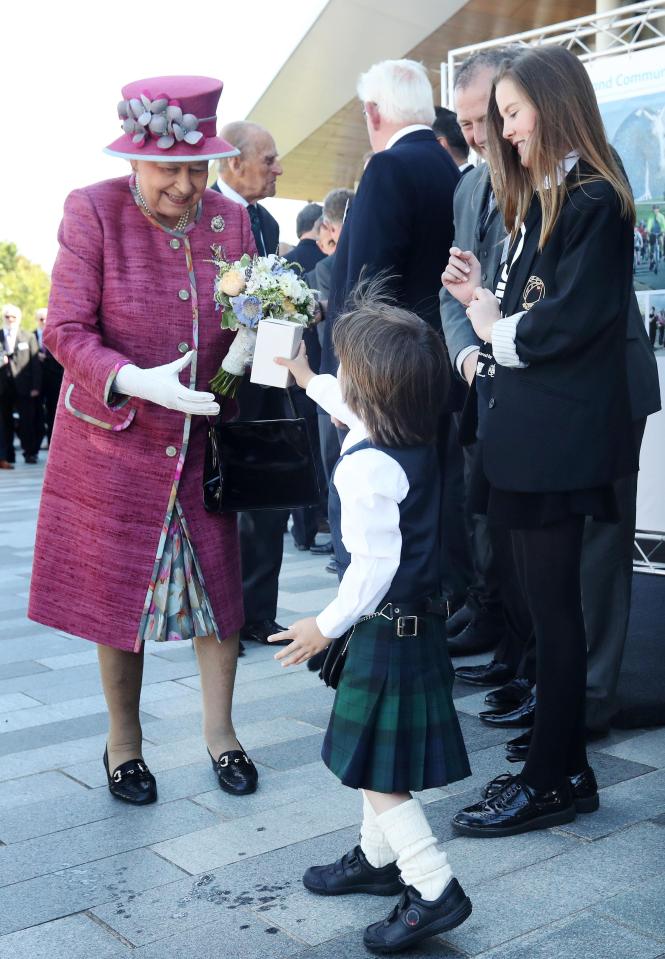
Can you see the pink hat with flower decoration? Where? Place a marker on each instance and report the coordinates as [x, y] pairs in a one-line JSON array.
[[170, 118]]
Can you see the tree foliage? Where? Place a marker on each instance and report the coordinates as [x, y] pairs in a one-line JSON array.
[[23, 283]]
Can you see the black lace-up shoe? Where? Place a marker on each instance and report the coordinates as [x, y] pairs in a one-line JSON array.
[[523, 716], [131, 781], [584, 788], [353, 873], [235, 771], [517, 808], [415, 918], [508, 696]]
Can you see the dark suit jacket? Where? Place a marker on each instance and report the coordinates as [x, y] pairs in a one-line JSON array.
[[269, 227], [24, 371], [564, 422], [401, 223], [306, 254]]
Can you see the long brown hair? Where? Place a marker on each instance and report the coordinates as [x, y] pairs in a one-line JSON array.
[[558, 87], [394, 370]]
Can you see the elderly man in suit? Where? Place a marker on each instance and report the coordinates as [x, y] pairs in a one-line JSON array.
[[20, 385], [400, 227], [606, 572], [247, 178]]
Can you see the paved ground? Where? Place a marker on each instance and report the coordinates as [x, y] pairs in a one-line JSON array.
[[202, 874]]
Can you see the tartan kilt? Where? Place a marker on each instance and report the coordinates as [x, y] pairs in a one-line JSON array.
[[393, 726]]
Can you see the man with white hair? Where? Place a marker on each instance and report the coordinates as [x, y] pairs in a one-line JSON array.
[[400, 227], [20, 384]]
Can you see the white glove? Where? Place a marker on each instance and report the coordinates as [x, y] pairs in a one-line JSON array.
[[160, 385]]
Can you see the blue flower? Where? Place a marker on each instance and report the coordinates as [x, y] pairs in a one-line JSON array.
[[247, 309]]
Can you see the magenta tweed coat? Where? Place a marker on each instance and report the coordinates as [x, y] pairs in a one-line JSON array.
[[126, 291]]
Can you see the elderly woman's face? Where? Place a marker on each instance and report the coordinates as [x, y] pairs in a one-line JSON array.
[[170, 189]]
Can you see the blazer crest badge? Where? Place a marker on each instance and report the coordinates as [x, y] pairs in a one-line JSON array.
[[533, 292]]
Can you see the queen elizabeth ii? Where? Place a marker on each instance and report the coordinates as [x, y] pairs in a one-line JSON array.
[[125, 551]]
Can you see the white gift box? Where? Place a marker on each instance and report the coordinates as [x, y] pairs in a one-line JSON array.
[[275, 338]]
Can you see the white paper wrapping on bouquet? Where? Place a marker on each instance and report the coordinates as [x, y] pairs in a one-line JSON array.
[[241, 352], [275, 338]]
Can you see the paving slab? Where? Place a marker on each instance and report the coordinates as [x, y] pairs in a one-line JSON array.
[[648, 748], [76, 937], [73, 890], [46, 786], [641, 908], [622, 805]]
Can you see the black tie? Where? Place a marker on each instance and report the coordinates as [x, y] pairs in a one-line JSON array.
[[256, 228]]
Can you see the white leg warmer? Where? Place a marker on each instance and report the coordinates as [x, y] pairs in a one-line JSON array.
[[373, 843], [419, 859]]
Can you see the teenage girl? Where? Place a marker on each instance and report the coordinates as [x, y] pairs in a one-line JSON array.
[[552, 396], [393, 727]]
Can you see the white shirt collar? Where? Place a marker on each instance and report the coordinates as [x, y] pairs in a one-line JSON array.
[[404, 131], [230, 193], [565, 167], [356, 434]]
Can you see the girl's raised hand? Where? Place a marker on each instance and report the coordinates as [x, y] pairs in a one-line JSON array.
[[299, 366], [306, 640], [462, 275]]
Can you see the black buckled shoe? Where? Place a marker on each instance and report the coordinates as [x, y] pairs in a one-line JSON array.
[[508, 696], [131, 781], [258, 632], [415, 918], [488, 674], [517, 808], [584, 788], [522, 716], [236, 772], [353, 873]]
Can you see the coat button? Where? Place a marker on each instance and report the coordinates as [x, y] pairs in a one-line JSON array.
[[174, 244], [183, 294], [492, 403], [183, 347], [170, 451]]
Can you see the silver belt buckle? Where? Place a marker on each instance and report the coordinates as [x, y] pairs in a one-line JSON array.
[[407, 626]]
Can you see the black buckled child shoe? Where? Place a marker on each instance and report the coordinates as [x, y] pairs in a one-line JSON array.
[[415, 918], [235, 771], [353, 873], [131, 781]]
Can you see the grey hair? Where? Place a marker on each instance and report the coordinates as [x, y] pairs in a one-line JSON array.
[[336, 203], [13, 309], [401, 90], [242, 135], [484, 60]]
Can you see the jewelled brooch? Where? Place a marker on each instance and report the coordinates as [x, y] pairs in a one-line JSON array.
[[217, 224]]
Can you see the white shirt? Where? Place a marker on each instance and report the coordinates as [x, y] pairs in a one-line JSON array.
[[230, 193], [371, 485], [404, 131], [10, 338]]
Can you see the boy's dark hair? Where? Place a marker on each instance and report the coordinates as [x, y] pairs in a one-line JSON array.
[[446, 125], [307, 217], [394, 369]]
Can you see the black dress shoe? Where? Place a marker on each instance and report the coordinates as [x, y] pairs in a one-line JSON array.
[[458, 620], [131, 781], [32, 459], [517, 808], [353, 873], [322, 549], [236, 772], [258, 632], [510, 695], [301, 547], [522, 716], [415, 918], [584, 788], [518, 749], [332, 567], [481, 635], [489, 674]]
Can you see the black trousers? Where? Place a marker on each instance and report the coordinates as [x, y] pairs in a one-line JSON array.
[[548, 563], [29, 435], [306, 519], [261, 531], [485, 585], [455, 568]]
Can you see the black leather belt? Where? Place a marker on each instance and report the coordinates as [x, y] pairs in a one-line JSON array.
[[408, 616]]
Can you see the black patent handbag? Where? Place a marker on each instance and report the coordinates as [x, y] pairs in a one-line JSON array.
[[259, 464], [333, 665]]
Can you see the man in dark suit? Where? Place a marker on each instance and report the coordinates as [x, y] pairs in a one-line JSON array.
[[20, 384], [52, 374], [448, 133], [247, 178], [400, 227], [307, 253]]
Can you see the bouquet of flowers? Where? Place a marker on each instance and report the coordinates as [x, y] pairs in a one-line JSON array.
[[247, 291]]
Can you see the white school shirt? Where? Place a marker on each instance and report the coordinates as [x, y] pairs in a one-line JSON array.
[[371, 485]]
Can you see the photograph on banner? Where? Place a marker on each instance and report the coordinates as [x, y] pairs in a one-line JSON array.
[[652, 308], [631, 94]]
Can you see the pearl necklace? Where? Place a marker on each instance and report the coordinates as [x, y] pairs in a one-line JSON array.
[[182, 222]]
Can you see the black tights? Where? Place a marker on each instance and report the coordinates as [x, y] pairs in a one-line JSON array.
[[548, 566]]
